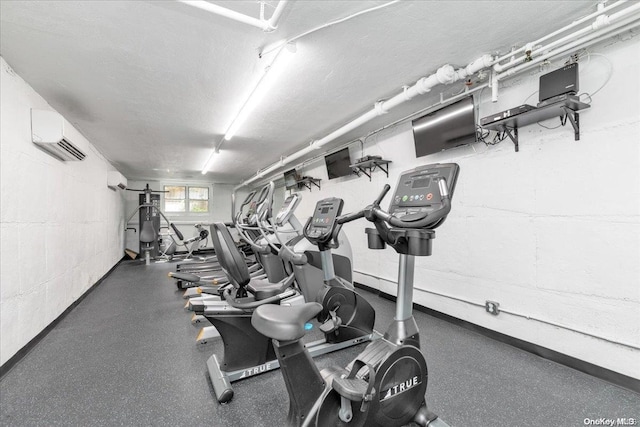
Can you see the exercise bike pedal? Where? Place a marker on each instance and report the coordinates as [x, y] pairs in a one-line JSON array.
[[332, 323], [353, 389], [356, 389]]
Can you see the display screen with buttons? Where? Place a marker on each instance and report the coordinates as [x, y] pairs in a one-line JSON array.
[[421, 183], [324, 217], [417, 192]]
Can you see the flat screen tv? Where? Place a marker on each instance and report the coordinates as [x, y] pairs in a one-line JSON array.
[[290, 178], [338, 163], [448, 127]]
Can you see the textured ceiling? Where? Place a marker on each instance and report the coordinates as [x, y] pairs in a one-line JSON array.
[[154, 85]]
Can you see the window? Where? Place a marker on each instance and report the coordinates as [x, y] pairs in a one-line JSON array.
[[186, 199]]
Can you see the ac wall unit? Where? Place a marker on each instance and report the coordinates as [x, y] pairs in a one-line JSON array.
[[116, 180], [49, 131]]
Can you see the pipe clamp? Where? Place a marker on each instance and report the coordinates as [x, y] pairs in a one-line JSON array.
[[379, 107]]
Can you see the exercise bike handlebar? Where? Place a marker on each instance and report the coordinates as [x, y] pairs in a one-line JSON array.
[[285, 252], [361, 214], [382, 195], [373, 212]]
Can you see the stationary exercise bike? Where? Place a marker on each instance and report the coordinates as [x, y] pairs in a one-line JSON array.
[[386, 384], [348, 318]]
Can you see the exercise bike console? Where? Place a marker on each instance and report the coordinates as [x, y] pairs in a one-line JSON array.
[[418, 190], [321, 229], [420, 203]]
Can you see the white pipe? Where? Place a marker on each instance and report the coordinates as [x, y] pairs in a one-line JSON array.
[[494, 86], [227, 13], [600, 22], [263, 24], [477, 65], [592, 38], [621, 14], [420, 112], [444, 75], [600, 11], [366, 117], [273, 21], [282, 162], [533, 52], [587, 39]]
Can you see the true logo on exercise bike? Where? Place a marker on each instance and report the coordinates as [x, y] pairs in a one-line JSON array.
[[256, 370], [400, 388]]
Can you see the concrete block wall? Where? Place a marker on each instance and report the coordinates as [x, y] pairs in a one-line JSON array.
[[551, 232], [61, 227]]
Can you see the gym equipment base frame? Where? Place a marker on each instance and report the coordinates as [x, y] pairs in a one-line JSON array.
[[221, 380]]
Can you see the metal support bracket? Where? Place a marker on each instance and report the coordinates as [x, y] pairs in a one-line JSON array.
[[308, 182], [513, 137], [370, 167], [574, 118]]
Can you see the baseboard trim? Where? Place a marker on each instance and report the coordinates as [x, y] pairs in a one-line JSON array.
[[16, 358], [608, 375]]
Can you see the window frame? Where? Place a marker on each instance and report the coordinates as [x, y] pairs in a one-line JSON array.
[[187, 211]]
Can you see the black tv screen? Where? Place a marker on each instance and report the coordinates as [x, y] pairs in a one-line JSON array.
[[448, 127], [338, 163], [290, 178]]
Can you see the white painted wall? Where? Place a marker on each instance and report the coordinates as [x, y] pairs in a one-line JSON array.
[[551, 232], [61, 226]]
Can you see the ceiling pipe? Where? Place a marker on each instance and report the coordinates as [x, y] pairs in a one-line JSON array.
[[586, 41], [580, 42], [420, 112], [624, 22], [273, 21], [265, 25], [532, 49], [449, 75], [601, 9], [444, 75], [621, 27]]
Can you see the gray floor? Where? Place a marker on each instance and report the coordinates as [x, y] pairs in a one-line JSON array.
[[126, 355]]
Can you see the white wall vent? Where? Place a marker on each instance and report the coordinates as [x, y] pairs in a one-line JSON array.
[[49, 131], [116, 180]]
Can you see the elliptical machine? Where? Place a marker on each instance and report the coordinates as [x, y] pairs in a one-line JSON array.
[[249, 230], [386, 384]]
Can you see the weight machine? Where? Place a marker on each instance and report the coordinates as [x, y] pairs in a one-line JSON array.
[[149, 220]]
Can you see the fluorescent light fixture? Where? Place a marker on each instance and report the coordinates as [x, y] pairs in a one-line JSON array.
[[210, 161], [269, 76]]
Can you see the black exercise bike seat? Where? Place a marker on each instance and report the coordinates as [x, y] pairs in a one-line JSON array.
[[263, 289], [284, 323]]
